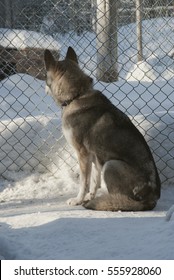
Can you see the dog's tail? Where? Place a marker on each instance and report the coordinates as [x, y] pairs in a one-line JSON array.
[[118, 202]]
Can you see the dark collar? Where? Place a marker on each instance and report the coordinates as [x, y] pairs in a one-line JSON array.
[[67, 102]]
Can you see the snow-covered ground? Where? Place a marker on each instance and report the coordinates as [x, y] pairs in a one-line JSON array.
[[15, 38], [36, 162]]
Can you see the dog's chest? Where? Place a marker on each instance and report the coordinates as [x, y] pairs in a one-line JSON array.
[[68, 133]]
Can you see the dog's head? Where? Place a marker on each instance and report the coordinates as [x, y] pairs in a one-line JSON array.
[[65, 80]]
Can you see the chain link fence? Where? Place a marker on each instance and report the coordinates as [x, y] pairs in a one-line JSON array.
[[126, 46]]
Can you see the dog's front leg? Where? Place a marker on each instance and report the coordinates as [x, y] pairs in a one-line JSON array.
[[95, 182], [85, 164]]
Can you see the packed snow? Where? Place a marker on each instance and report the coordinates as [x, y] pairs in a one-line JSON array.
[[40, 172]]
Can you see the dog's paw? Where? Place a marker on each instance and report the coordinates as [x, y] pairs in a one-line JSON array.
[[89, 196], [74, 201]]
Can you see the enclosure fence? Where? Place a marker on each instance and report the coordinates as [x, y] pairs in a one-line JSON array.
[[127, 47]]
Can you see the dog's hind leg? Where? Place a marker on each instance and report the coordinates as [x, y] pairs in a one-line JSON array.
[[119, 177], [128, 189]]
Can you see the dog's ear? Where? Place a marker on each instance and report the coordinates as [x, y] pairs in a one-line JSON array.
[[71, 55], [49, 60]]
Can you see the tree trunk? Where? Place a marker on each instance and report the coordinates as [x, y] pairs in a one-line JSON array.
[[106, 28]]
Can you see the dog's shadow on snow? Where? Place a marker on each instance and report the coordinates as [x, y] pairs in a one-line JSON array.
[[90, 238]]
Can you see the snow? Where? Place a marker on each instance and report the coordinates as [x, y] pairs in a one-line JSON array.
[[20, 39], [143, 71], [35, 221]]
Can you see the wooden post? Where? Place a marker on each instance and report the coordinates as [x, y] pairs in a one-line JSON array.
[[139, 30], [8, 13], [106, 29]]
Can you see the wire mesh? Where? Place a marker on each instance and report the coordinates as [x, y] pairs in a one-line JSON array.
[[105, 36]]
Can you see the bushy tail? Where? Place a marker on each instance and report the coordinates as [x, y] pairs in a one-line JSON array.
[[118, 202]]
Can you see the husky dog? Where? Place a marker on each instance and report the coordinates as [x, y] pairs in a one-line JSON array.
[[103, 135]]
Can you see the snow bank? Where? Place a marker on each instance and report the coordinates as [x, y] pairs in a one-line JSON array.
[[142, 71], [31, 135], [21, 39]]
